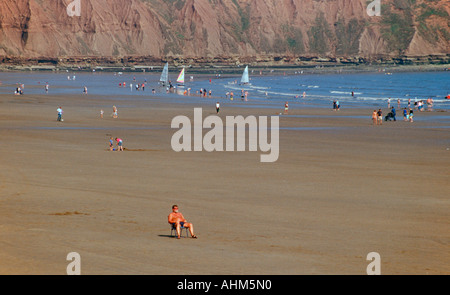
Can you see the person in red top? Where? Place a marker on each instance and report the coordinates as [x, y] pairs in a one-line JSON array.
[[177, 219]]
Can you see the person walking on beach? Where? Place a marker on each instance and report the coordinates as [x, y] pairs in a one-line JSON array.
[[85, 90], [177, 220], [374, 117], [286, 108], [119, 144], [380, 117], [398, 103], [394, 114], [389, 103], [46, 88], [217, 107], [405, 115], [101, 114], [60, 112], [338, 106]]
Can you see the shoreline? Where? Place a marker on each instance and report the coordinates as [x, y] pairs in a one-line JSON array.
[[317, 65]]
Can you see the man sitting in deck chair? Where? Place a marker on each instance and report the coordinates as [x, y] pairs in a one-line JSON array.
[[177, 220]]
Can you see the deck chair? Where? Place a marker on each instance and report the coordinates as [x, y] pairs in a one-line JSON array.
[[173, 230]]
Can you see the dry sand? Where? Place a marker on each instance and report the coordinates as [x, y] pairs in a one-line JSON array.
[[333, 196]]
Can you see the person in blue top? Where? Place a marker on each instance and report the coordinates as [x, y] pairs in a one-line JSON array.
[[405, 115], [394, 113]]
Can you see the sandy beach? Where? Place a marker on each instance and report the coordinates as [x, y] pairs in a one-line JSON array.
[[340, 189]]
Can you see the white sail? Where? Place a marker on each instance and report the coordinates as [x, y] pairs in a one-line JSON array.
[[165, 75], [245, 79], [180, 79]]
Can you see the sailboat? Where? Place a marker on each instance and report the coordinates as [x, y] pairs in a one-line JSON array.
[[245, 79], [180, 80], [164, 80]]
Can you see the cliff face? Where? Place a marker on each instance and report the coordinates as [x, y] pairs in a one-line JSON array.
[[212, 28]]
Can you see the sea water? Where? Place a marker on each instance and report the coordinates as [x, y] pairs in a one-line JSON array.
[[367, 89]]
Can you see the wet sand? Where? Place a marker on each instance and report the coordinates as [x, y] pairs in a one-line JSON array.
[[340, 189]]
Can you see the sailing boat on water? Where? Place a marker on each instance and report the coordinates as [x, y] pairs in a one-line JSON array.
[[180, 80], [245, 80], [164, 80]]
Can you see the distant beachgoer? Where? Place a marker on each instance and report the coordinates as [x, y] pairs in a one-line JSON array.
[[119, 144], [380, 117], [409, 102], [111, 144], [101, 114], [389, 103], [217, 107], [411, 115], [114, 114], [85, 91], [405, 115], [60, 112], [231, 95], [177, 220], [398, 103], [334, 105], [374, 117], [46, 88], [286, 108], [338, 106]]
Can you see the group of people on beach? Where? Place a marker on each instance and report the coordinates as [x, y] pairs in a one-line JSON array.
[[119, 143], [19, 89], [336, 105], [377, 116]]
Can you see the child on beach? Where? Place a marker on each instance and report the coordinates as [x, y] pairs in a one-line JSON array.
[[286, 108], [374, 117], [101, 114], [111, 144], [405, 115], [411, 115], [217, 107], [114, 114], [60, 112], [119, 144]]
